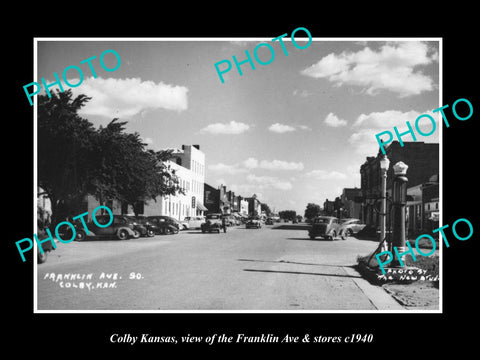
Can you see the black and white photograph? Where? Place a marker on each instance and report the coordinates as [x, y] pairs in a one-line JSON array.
[[273, 187], [251, 191]]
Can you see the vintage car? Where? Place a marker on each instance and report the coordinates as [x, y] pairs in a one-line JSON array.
[[165, 225], [139, 226], [121, 227], [349, 227], [253, 222], [144, 226], [213, 222], [46, 247], [194, 222], [269, 221], [326, 227]]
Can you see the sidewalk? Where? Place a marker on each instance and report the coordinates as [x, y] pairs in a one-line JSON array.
[[419, 294]]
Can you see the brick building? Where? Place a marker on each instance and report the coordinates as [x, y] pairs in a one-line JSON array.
[[422, 160]]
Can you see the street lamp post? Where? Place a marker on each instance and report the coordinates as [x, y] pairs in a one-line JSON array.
[[399, 202], [384, 164]]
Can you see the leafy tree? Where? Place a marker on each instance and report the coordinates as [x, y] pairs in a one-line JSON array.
[[75, 159], [64, 150], [312, 210], [266, 208], [287, 214]]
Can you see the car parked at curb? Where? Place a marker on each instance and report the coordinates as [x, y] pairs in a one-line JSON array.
[[46, 246], [194, 222], [144, 226], [121, 227], [349, 227], [327, 227], [213, 222], [166, 225]]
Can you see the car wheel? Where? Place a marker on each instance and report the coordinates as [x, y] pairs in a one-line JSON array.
[[122, 234], [136, 234], [80, 236], [41, 258], [312, 237], [334, 235], [347, 233], [150, 233]]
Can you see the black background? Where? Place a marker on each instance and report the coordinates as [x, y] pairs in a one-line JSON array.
[[402, 335]]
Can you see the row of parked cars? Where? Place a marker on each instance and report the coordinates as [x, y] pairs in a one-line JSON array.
[[127, 226]]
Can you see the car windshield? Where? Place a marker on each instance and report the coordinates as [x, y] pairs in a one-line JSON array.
[[322, 220]]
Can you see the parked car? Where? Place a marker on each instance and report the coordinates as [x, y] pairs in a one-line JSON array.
[[348, 227], [121, 227], [253, 223], [138, 226], [184, 225], [166, 225], [213, 222], [326, 227], [46, 246], [269, 221], [145, 227], [194, 222]]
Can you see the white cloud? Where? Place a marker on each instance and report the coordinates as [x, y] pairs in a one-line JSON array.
[[226, 169], [393, 67], [301, 93], [128, 97], [269, 182], [252, 163], [280, 165], [281, 128], [231, 128], [333, 121], [148, 140], [366, 126], [326, 175]]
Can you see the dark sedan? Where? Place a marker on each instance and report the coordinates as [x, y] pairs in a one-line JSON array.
[[165, 225], [121, 228], [326, 227]]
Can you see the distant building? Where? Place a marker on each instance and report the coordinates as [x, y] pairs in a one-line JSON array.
[[189, 166], [351, 202], [254, 206], [422, 160]]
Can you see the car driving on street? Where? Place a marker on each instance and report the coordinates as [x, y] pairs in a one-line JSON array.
[[253, 222], [213, 222], [326, 227]]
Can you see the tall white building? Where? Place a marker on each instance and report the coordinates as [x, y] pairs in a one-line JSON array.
[[189, 166]]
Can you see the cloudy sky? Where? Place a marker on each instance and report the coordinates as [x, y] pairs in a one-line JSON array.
[[293, 131]]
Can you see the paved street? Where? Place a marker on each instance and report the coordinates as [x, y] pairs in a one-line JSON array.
[[244, 269]]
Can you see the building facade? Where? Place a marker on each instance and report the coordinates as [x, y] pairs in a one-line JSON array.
[[422, 160], [189, 165], [351, 202]]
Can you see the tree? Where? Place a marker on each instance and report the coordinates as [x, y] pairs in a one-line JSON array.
[[64, 150], [75, 159], [287, 214], [266, 209], [312, 210]]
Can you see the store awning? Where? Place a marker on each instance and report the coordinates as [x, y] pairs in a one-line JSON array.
[[201, 207]]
